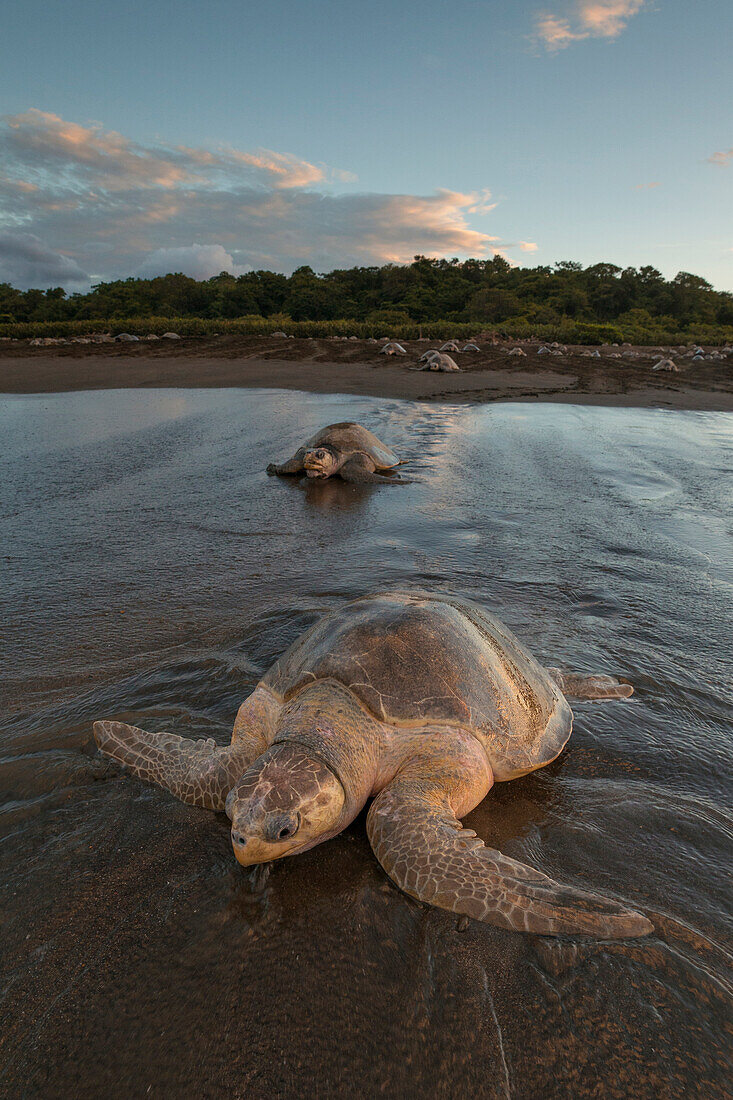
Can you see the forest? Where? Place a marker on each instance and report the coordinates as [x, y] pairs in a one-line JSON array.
[[591, 304]]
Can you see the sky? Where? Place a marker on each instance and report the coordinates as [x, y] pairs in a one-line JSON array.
[[138, 138]]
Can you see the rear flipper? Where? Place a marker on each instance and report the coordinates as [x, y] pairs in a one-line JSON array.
[[599, 686], [419, 841], [197, 772], [360, 470]]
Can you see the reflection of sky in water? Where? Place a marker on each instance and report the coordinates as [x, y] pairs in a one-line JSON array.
[[166, 489]]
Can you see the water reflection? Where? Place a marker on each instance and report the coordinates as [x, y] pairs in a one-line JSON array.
[[153, 571], [334, 495]]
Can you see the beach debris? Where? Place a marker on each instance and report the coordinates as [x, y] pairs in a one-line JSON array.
[[393, 349], [362, 688], [347, 450]]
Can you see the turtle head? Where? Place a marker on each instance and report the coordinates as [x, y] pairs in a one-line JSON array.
[[286, 802], [321, 462]]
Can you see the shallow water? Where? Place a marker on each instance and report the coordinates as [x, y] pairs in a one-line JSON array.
[[152, 572]]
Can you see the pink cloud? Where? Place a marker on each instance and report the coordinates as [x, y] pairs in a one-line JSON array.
[[721, 158], [586, 19]]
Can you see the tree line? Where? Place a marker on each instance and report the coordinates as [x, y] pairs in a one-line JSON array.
[[487, 293]]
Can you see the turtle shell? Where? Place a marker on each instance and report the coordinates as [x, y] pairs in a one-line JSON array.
[[415, 659], [349, 438]]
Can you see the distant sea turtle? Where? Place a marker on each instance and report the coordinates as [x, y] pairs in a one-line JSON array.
[[420, 702], [347, 450], [437, 360]]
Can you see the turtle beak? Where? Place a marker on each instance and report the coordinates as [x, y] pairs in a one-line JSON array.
[[315, 463], [270, 837]]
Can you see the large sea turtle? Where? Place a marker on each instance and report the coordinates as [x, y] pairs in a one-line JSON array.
[[348, 450], [420, 702]]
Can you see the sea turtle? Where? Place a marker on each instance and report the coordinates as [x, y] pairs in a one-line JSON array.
[[420, 702], [393, 349], [437, 360], [347, 450]]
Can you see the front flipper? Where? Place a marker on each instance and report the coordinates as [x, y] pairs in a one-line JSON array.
[[599, 686], [198, 772], [359, 469], [292, 467], [418, 839]]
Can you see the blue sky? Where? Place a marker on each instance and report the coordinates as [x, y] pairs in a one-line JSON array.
[[140, 137]]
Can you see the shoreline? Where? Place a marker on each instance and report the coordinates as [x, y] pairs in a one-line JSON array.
[[490, 377]]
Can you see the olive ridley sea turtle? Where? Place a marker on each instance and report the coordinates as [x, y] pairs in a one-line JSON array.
[[347, 450], [420, 702]]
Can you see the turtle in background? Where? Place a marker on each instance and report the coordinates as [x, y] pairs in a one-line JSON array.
[[345, 450], [437, 360], [420, 702]]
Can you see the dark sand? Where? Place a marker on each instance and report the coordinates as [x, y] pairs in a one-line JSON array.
[[327, 366]]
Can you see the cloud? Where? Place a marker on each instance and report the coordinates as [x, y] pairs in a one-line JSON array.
[[113, 206], [200, 261], [91, 156], [26, 262], [528, 246], [587, 19], [721, 158]]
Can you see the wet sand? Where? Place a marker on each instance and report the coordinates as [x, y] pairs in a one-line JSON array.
[[153, 572], [325, 366]]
